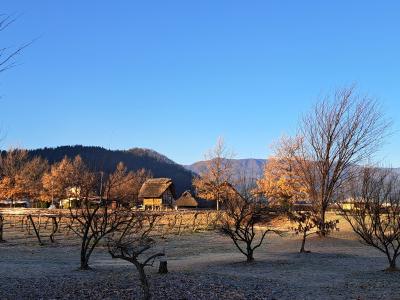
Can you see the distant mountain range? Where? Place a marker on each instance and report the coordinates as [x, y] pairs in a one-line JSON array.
[[101, 159], [250, 167]]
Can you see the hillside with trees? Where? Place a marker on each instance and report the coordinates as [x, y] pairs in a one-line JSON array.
[[101, 159]]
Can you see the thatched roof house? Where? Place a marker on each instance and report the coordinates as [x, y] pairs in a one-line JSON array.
[[186, 200], [157, 193]]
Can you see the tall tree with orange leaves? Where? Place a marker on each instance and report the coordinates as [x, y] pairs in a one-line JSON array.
[[210, 184], [282, 182], [68, 178]]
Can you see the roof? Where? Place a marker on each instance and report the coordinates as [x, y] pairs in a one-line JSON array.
[[155, 187], [186, 199]]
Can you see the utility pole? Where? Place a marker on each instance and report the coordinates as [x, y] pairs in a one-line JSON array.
[[101, 186], [52, 193]]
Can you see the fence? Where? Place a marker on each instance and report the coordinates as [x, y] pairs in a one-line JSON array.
[[43, 226]]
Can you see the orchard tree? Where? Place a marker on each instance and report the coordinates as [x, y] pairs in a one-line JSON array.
[[135, 244], [246, 218], [375, 212]]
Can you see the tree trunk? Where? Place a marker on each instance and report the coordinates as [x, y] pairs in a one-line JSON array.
[[322, 230], [84, 262], [84, 257], [1, 228], [249, 255], [392, 265], [144, 282]]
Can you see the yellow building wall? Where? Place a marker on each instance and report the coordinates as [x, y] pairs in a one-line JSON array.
[[348, 206], [152, 202]]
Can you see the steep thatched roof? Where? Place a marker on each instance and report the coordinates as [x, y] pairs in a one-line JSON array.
[[155, 187], [186, 200]]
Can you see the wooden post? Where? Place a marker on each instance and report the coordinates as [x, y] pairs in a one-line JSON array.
[[163, 268], [54, 228], [1, 228], [34, 228], [28, 226]]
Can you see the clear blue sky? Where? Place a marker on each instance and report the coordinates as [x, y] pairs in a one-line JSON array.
[[175, 75]]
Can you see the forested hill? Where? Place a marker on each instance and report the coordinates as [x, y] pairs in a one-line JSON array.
[[98, 158]]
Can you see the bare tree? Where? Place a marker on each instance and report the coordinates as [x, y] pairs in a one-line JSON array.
[[375, 212], [339, 133], [136, 246], [7, 54], [244, 215], [218, 170], [93, 222], [307, 224]]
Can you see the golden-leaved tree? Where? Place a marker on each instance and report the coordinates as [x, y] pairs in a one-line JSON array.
[[29, 180], [280, 183], [20, 176], [218, 170], [124, 186], [12, 163], [68, 178]]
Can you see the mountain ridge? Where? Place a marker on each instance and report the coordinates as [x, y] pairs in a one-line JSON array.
[[247, 167]]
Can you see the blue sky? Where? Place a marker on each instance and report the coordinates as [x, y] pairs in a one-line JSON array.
[[175, 75]]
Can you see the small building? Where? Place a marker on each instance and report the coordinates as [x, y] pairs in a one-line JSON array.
[[302, 205], [351, 204], [186, 200], [15, 203], [157, 193], [94, 201]]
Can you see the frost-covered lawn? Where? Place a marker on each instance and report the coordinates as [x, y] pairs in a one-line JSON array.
[[204, 266]]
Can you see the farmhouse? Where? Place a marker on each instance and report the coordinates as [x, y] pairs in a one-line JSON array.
[[157, 193], [186, 200]]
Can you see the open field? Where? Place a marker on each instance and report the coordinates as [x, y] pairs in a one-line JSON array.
[[203, 265]]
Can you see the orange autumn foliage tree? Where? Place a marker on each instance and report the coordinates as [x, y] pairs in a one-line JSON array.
[[29, 180], [285, 181], [68, 178], [20, 176], [219, 170], [124, 186], [12, 163], [281, 182]]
